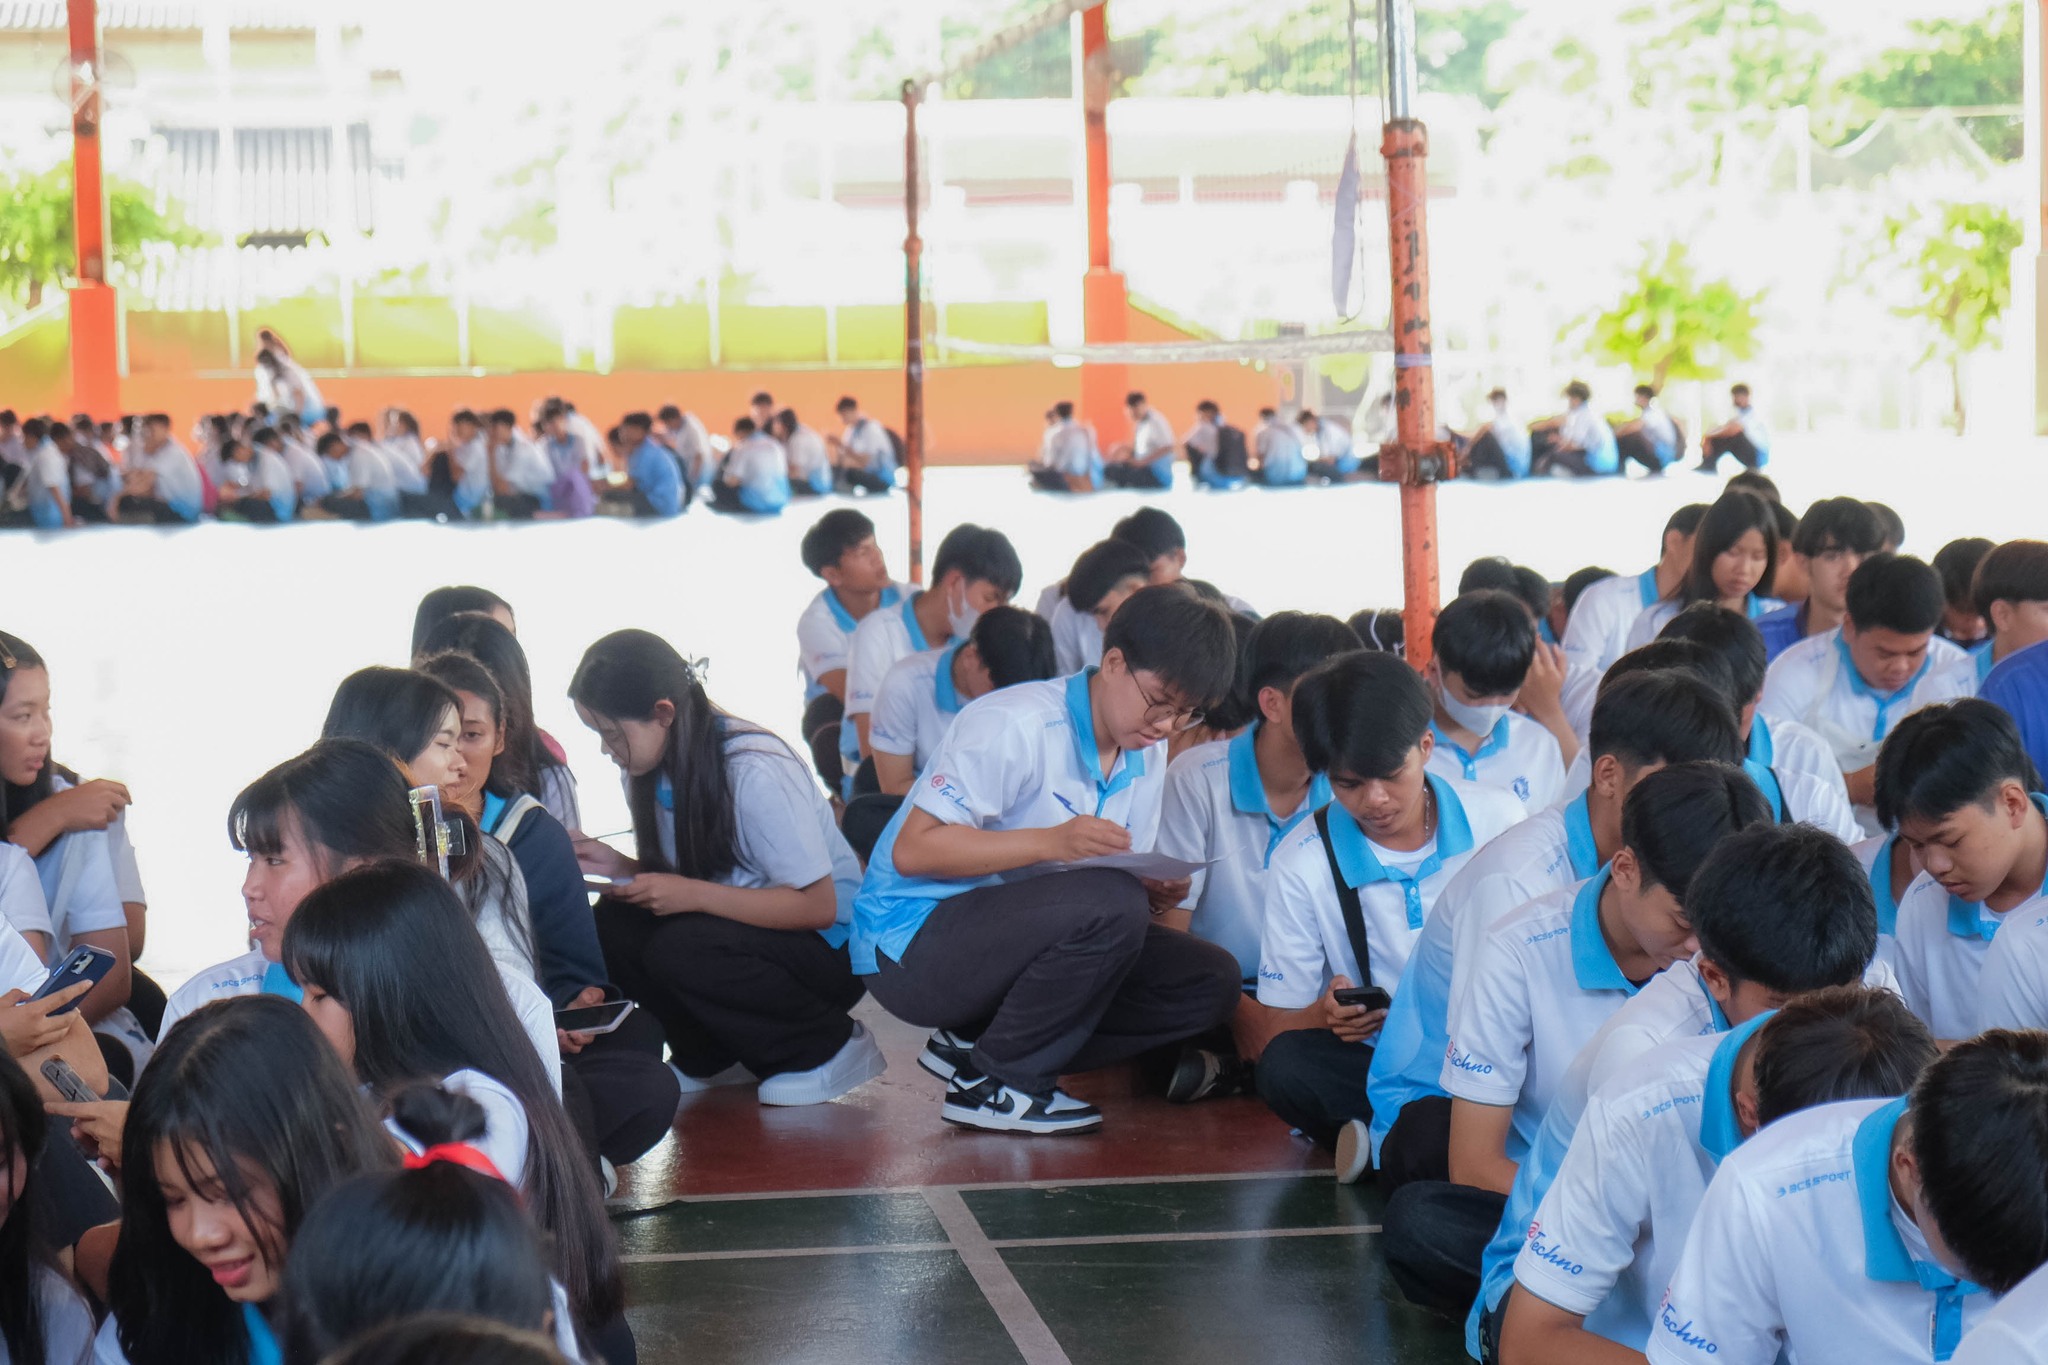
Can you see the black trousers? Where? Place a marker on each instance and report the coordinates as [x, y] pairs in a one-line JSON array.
[[1131, 474], [1315, 1081], [1486, 457], [725, 497], [257, 510], [867, 815], [156, 509], [620, 1097], [822, 715], [428, 506], [516, 506], [773, 1000], [1738, 445], [346, 508], [67, 1196], [1418, 1145], [1436, 1236], [1556, 457], [146, 1002], [1048, 480], [1064, 972], [1636, 446], [860, 478]]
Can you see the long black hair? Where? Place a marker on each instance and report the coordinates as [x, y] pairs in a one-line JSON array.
[[346, 798], [1734, 515], [485, 639], [460, 673], [622, 677], [250, 1084], [22, 1253], [435, 1238], [395, 946], [441, 603], [448, 1339], [17, 654]]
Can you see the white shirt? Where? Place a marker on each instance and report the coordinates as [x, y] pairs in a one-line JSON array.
[[824, 633], [1658, 426], [869, 439], [915, 706], [525, 466], [408, 461], [370, 470], [269, 472], [2011, 990], [1519, 757], [1809, 782], [1798, 1247], [1303, 942], [20, 968], [882, 637], [1944, 945], [245, 975], [67, 1326], [1216, 811], [1543, 984], [1814, 683], [806, 453], [47, 469], [22, 906], [177, 476], [1076, 639], [506, 1127], [472, 471], [692, 445], [1607, 1233], [759, 465], [1049, 599], [2016, 1331], [1067, 450], [308, 475], [1153, 438], [1597, 633], [1580, 429]]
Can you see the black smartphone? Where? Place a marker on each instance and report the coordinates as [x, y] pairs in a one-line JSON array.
[[594, 1018], [83, 963], [1372, 997], [67, 1082]]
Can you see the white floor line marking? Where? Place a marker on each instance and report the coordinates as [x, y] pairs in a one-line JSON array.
[[1014, 1309], [1004, 1243], [1077, 1181]]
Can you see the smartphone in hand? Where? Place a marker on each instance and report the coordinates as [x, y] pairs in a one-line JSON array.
[[1372, 997], [83, 963]]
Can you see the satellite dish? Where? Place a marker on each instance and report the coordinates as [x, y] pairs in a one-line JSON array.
[[114, 73]]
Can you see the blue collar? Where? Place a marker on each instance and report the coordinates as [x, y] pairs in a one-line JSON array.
[[1360, 868], [263, 1348], [1881, 887], [917, 640], [1885, 1257], [277, 981], [1646, 587], [1248, 790], [1981, 652], [1761, 749], [494, 811], [1720, 1130], [1754, 606], [1884, 700], [1579, 847], [1964, 921], [890, 597], [1129, 767], [943, 693], [1495, 741], [1593, 965], [1714, 1010], [1767, 782], [665, 793]]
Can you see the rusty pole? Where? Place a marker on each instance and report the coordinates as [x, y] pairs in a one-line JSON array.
[[913, 339]]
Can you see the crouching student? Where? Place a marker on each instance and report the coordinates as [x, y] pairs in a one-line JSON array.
[[1847, 1232], [1102, 579], [365, 488], [1033, 976], [1231, 803], [1965, 799], [1545, 979], [731, 924], [1484, 643], [1606, 1237], [1348, 891], [921, 695]]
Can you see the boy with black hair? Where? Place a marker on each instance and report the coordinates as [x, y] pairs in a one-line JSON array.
[[1853, 685], [1277, 444], [864, 450], [1834, 537], [755, 475], [841, 550], [685, 436], [1743, 435], [657, 487], [1575, 584], [161, 481], [1650, 439], [1642, 722], [1894, 527], [1068, 461], [1993, 1214], [1607, 1234], [922, 694], [2010, 591], [1153, 530], [362, 479], [1336, 458], [975, 569], [1231, 803], [1029, 977], [1597, 633], [520, 473], [1958, 786], [1827, 1236], [1956, 562], [1103, 577], [1146, 460], [1347, 892], [1484, 643], [1792, 765]]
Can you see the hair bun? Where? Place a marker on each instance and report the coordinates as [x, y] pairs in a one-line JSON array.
[[432, 1116]]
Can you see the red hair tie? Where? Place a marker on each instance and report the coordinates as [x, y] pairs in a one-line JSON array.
[[459, 1153]]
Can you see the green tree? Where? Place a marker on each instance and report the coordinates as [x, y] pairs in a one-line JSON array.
[[1960, 259], [1670, 324], [36, 240], [1952, 64], [1726, 56]]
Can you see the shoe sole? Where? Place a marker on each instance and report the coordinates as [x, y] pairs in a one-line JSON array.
[[1352, 1164], [873, 1064], [982, 1121]]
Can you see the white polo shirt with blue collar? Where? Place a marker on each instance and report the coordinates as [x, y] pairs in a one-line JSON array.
[[1303, 943], [1023, 757], [1604, 1237], [1546, 852], [1519, 756], [1800, 1247], [2012, 988], [1216, 812], [1544, 983], [883, 636], [824, 634], [1650, 622], [2015, 1332], [1876, 856], [1597, 633], [1944, 946], [915, 705]]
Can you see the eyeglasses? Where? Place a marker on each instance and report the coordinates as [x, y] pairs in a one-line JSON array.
[[1177, 717]]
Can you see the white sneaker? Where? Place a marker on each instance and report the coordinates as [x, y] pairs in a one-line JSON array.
[[732, 1075], [858, 1062], [1354, 1151], [985, 1102]]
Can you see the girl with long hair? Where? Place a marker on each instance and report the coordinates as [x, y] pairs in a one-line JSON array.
[[533, 762], [1734, 560]]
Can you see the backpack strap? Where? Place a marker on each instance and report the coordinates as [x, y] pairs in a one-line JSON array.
[[515, 813], [1348, 901]]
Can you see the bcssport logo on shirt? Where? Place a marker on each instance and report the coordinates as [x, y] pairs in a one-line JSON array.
[[1521, 785], [1547, 935]]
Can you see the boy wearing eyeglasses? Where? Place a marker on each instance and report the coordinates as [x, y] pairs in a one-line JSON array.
[[967, 924]]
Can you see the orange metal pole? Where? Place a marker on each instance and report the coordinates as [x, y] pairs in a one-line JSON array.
[[1105, 304], [913, 339], [95, 378], [1419, 460]]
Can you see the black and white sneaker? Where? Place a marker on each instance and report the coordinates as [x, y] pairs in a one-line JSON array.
[[945, 1054], [986, 1103], [1200, 1073]]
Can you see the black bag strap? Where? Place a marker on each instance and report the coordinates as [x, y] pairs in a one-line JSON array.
[[1347, 900]]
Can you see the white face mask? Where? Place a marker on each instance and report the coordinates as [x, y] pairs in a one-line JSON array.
[[1480, 720], [960, 617]]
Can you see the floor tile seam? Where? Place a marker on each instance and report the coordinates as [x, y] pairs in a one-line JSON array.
[[1013, 1307], [999, 1244]]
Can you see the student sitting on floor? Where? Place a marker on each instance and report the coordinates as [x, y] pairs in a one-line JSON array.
[[921, 694], [1277, 445], [1545, 978], [864, 452], [731, 925], [46, 478], [1218, 456], [1743, 435], [1146, 460], [1829, 544], [1231, 803], [841, 550], [308, 472], [161, 483], [1499, 449], [1347, 892], [256, 485], [521, 476], [1826, 1236], [1336, 458], [1853, 685], [1734, 558], [1606, 1236], [1998, 1230], [362, 483], [1029, 977], [755, 477], [684, 435], [1103, 578], [1068, 461], [656, 485], [1651, 438], [1597, 633], [1483, 645], [2011, 594], [810, 464], [1579, 441]]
